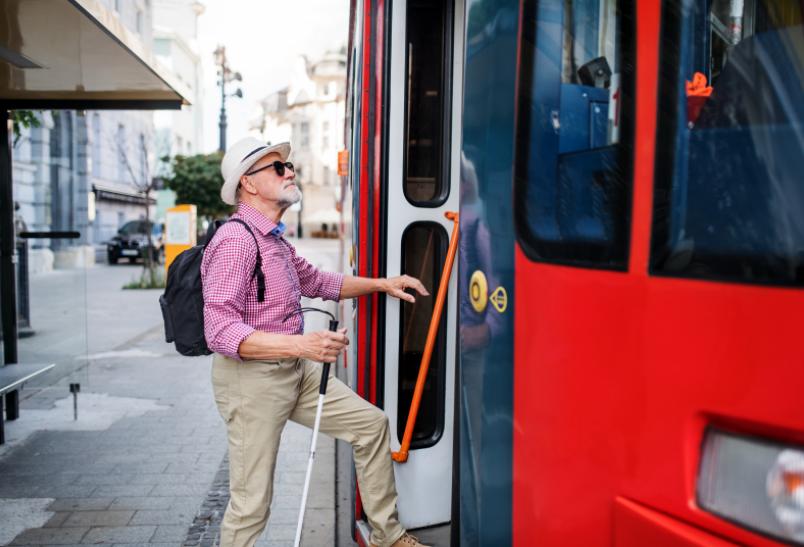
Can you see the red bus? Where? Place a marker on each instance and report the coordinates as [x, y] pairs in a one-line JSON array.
[[618, 360]]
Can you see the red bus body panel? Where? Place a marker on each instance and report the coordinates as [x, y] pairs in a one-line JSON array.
[[618, 374]]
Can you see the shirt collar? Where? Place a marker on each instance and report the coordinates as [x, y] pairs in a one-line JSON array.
[[258, 220]]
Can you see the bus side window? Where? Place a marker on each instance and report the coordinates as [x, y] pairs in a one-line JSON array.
[[729, 198], [574, 133]]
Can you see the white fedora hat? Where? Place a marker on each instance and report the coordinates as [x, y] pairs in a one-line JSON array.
[[240, 157]]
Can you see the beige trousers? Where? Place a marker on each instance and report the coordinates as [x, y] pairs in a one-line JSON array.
[[255, 399]]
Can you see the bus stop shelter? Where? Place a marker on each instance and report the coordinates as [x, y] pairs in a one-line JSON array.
[[61, 55]]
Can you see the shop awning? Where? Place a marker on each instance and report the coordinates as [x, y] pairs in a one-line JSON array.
[[75, 54], [107, 193]]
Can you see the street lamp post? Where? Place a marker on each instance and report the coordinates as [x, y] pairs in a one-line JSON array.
[[225, 75]]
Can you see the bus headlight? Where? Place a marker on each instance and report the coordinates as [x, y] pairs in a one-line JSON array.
[[756, 483], [785, 487]]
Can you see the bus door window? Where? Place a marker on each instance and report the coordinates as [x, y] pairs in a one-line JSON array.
[[574, 132], [424, 249], [729, 202], [427, 107]]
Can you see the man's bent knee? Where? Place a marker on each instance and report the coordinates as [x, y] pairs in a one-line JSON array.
[[379, 422]]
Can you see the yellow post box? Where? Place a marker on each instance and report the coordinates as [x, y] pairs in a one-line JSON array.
[[180, 231]]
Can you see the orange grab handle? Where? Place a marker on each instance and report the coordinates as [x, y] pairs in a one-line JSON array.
[[402, 455]]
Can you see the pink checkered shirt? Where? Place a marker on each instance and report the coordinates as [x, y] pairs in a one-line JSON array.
[[231, 309]]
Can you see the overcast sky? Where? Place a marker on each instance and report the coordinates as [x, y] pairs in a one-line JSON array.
[[262, 38]]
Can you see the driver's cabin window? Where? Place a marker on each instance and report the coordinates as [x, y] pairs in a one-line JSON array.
[[574, 132]]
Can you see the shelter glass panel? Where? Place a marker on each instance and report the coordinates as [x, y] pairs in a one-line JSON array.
[[54, 250]]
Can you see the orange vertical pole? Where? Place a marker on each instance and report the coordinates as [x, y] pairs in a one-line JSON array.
[[402, 455]]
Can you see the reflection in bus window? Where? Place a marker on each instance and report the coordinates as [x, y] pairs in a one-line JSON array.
[[424, 248], [574, 132], [729, 188]]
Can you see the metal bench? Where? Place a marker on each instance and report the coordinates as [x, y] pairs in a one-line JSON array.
[[12, 377]]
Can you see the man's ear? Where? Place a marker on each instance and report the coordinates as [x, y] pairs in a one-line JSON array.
[[243, 180]]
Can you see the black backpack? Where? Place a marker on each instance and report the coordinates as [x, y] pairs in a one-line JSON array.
[[183, 301]]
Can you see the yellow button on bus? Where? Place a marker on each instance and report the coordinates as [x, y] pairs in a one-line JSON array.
[[479, 291]]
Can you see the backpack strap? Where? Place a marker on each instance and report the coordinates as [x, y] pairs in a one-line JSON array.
[[258, 265]]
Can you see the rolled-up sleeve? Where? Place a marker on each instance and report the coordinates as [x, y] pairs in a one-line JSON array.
[[226, 275], [315, 283]]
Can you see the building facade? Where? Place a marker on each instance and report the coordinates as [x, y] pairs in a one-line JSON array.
[[87, 171], [175, 39], [310, 113]]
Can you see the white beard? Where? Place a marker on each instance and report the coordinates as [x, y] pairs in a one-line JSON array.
[[289, 196]]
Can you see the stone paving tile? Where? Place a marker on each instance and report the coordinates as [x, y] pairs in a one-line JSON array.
[[99, 468], [67, 491], [295, 478], [53, 479], [17, 491], [121, 458], [141, 468], [280, 532], [119, 534], [185, 460], [156, 503], [115, 491], [81, 504], [199, 468], [99, 518], [50, 536], [288, 515], [104, 480], [170, 533], [179, 489], [168, 478], [57, 520], [169, 516], [317, 532]]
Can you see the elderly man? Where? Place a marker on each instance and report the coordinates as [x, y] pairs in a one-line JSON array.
[[263, 371]]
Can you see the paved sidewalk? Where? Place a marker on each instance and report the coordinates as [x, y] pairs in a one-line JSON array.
[[144, 464]]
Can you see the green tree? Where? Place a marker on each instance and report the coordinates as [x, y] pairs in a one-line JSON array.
[[197, 181], [23, 118]]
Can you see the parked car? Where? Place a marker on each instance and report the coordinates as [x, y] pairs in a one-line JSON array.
[[131, 242]]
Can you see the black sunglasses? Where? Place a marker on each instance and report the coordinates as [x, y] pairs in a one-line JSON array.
[[278, 166]]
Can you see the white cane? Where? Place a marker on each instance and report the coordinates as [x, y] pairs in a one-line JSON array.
[[322, 391]]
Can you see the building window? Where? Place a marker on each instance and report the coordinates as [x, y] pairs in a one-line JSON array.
[[427, 119], [424, 248], [144, 175], [117, 5], [96, 144], [122, 159], [139, 21], [729, 198], [325, 135], [572, 173], [305, 134]]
